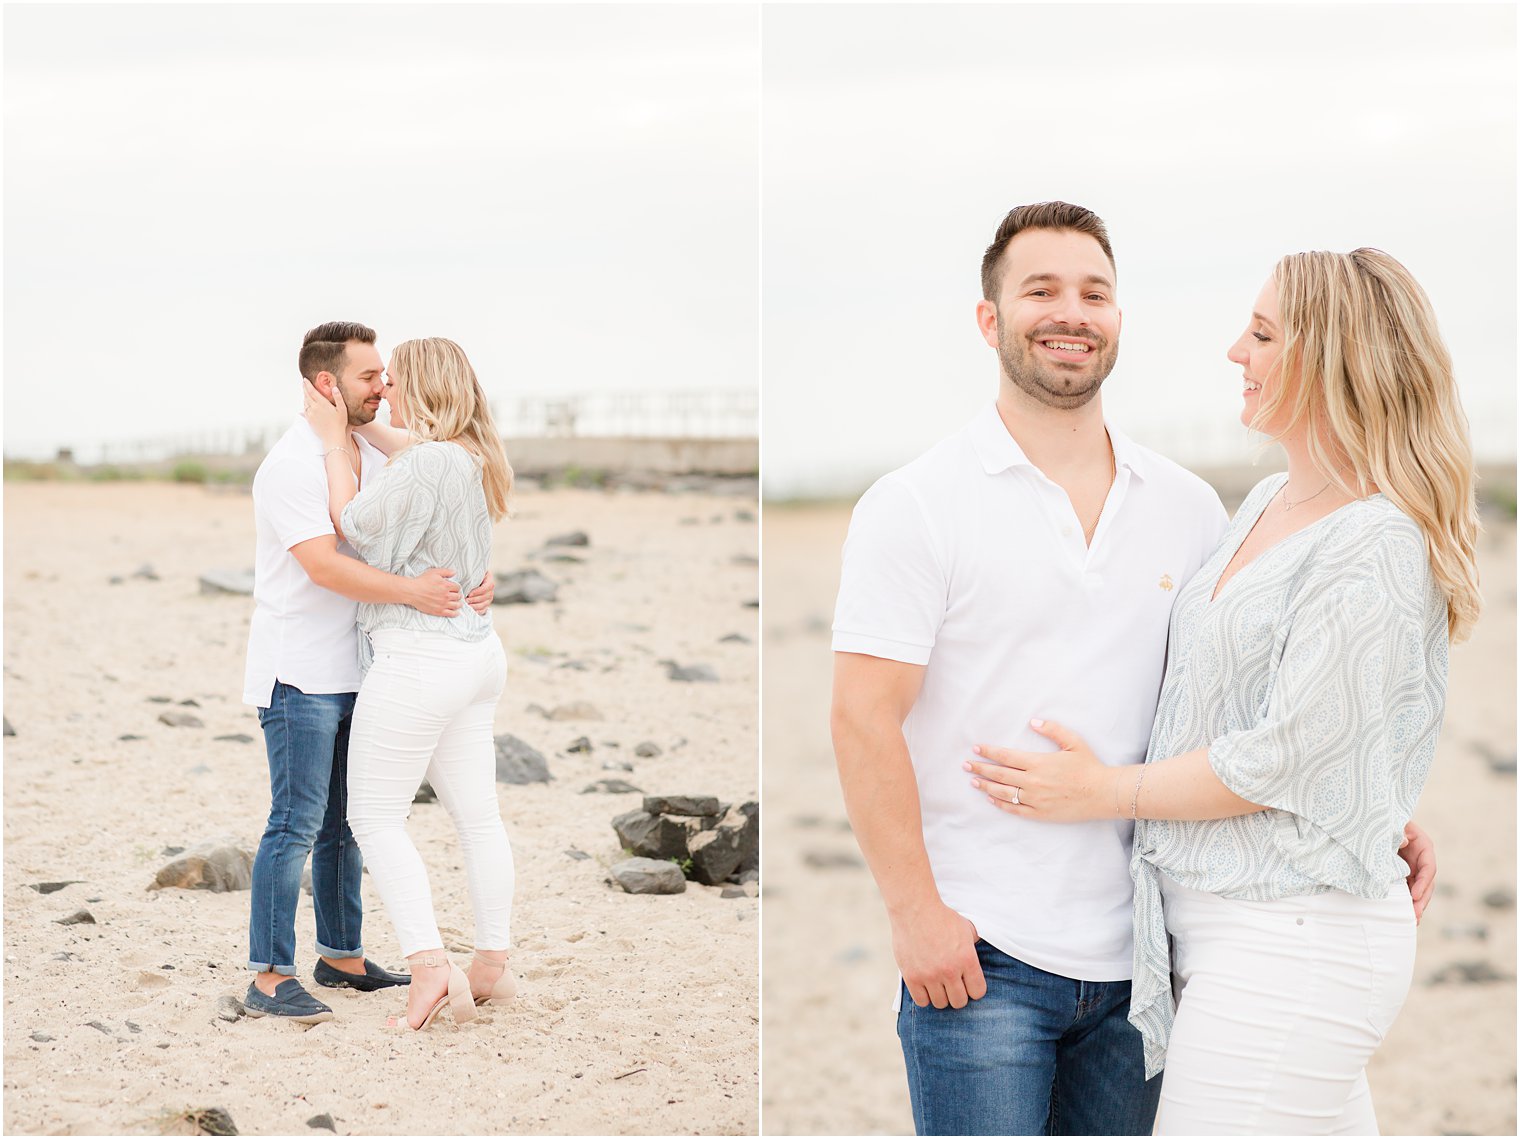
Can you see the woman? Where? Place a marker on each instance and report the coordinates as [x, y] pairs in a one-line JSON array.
[[431, 684], [1304, 691]]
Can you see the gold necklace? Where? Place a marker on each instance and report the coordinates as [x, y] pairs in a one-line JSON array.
[[1290, 505], [1113, 474]]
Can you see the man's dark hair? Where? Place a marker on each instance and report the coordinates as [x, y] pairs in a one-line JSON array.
[[1039, 215], [323, 348]]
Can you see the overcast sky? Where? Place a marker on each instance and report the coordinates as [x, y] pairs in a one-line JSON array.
[[570, 192], [1212, 138]]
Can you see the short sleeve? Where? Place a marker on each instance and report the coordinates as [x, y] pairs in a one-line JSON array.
[[1353, 706], [893, 584], [292, 496], [387, 520]]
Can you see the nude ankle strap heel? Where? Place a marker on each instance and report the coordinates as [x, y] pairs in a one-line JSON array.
[[505, 987]]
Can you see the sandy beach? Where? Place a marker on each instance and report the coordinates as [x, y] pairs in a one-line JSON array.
[[832, 1061], [636, 1014]]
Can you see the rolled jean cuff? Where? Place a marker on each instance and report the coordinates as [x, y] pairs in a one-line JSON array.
[[266, 967], [324, 951]]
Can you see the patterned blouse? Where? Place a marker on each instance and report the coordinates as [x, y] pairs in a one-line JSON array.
[[1317, 681], [426, 508]]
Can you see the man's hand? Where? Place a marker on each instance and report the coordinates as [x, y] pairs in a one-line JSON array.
[[936, 952], [1420, 853], [480, 597], [434, 594]]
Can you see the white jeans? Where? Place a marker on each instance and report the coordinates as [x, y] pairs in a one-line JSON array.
[[1282, 1004], [426, 709]]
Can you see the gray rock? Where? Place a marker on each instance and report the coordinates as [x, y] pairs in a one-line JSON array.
[[755, 604], [54, 887], [734, 639], [180, 720], [42, 1038], [832, 859], [524, 587], [10, 731], [715, 854], [649, 876], [160, 700], [518, 763], [97, 1026], [564, 559], [1499, 762], [745, 560], [234, 738], [655, 836], [211, 1121], [425, 793], [576, 710], [128, 737], [574, 538], [612, 787], [146, 572], [690, 672], [78, 917], [171, 851], [733, 892], [744, 516], [189, 704], [750, 863], [1500, 899], [578, 855], [583, 744], [1469, 973], [647, 750], [219, 865], [324, 1120], [1468, 931], [682, 805], [227, 581], [617, 765]]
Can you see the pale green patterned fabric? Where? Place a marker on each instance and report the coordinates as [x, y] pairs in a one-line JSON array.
[[426, 509], [1317, 680]]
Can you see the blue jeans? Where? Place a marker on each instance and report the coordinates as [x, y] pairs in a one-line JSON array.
[[1038, 1055], [307, 741]]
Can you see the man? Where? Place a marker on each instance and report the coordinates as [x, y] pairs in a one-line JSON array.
[[1024, 567], [303, 676]]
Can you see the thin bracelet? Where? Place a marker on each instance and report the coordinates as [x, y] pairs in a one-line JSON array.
[[346, 455], [1134, 803]]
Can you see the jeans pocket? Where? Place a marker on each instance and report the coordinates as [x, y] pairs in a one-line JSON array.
[[1390, 953]]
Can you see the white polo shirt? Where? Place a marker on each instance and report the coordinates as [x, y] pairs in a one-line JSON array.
[[971, 562], [300, 633]]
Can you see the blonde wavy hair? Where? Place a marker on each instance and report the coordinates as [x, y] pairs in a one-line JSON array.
[[1375, 392], [444, 402]]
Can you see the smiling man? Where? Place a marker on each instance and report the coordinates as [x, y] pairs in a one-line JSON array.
[[303, 677], [1023, 567]]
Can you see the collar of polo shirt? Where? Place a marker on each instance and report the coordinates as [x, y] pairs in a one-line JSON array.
[[998, 451]]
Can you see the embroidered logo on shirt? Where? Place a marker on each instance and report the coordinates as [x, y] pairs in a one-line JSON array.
[[1166, 582]]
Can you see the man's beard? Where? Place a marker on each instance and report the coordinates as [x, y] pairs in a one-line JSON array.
[[1048, 382], [359, 413]]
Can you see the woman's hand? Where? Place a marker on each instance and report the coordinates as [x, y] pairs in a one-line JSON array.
[[1068, 786], [480, 598], [327, 419]]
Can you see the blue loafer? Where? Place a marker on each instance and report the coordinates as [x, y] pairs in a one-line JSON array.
[[290, 1001], [372, 978]]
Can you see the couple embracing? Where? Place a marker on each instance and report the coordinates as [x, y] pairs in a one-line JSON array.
[[369, 673], [1097, 741]]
